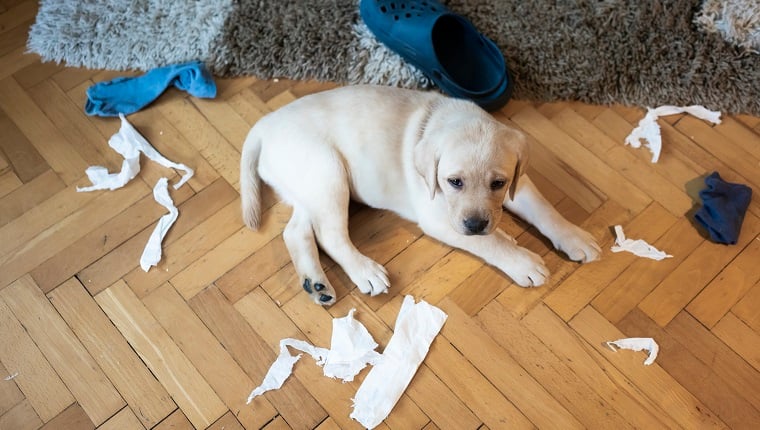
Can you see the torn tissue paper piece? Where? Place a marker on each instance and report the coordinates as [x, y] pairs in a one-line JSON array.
[[637, 247], [416, 327], [351, 349], [649, 130], [129, 143], [152, 253], [637, 344]]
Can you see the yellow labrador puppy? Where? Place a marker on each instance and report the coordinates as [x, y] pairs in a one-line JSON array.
[[443, 163]]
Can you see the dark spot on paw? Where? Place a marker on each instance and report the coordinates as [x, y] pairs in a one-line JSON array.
[[325, 298], [307, 285], [319, 287]]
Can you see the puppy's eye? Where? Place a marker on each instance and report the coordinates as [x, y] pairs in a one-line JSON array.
[[498, 184], [456, 183]]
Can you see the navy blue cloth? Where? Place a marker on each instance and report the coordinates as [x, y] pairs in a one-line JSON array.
[[723, 209], [130, 94]]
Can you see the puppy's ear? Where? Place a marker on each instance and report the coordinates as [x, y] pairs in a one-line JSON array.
[[426, 164], [518, 144]]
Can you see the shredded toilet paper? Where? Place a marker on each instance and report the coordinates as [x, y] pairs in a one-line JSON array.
[[351, 349], [152, 253], [638, 247], [129, 143], [637, 344], [416, 327], [649, 130]]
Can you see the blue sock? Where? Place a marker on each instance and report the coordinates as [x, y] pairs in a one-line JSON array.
[[724, 206], [129, 95]]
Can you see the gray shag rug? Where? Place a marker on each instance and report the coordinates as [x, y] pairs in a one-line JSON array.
[[640, 53]]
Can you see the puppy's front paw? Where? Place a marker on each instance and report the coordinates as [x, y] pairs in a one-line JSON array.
[[321, 292], [369, 276], [528, 269], [578, 244]]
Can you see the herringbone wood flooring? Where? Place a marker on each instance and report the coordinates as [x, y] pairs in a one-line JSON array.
[[93, 341]]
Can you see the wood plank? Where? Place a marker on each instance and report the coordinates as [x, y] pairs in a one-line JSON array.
[[10, 395], [74, 417], [47, 243], [652, 380], [26, 161], [694, 375], [578, 289], [224, 119], [40, 131], [502, 370], [21, 417], [9, 182], [176, 373], [102, 240], [743, 162], [520, 300], [135, 383], [747, 307], [230, 252], [699, 268], [222, 156], [76, 128], [723, 292], [734, 371], [608, 180], [125, 419], [254, 270], [126, 257], [592, 368], [740, 337], [550, 370], [624, 293], [76, 367], [41, 385], [292, 401], [25, 197], [183, 251], [207, 355]]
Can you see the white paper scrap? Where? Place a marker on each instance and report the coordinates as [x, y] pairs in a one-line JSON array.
[[416, 327], [638, 247], [637, 344], [11, 376], [351, 349], [129, 143], [152, 253], [649, 130]]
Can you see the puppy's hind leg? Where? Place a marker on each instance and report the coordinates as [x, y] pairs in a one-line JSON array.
[[302, 246]]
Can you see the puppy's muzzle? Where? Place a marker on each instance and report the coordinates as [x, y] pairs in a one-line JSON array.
[[475, 225]]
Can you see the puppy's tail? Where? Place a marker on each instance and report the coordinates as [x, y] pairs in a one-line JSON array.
[[250, 182]]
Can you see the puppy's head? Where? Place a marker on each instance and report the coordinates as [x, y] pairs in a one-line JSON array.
[[475, 165]]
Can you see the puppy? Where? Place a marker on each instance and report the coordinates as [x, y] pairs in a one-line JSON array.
[[440, 162]]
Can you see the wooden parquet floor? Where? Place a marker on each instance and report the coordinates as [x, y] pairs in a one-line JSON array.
[[88, 339]]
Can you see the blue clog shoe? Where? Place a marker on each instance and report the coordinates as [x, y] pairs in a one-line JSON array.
[[445, 46]]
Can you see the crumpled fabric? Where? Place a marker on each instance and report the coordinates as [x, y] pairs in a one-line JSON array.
[[128, 95], [724, 205]]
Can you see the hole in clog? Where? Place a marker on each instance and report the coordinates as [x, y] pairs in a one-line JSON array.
[[395, 17], [460, 52], [393, 6], [383, 9], [408, 15]]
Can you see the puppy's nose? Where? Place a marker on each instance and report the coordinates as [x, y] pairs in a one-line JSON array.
[[475, 225]]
